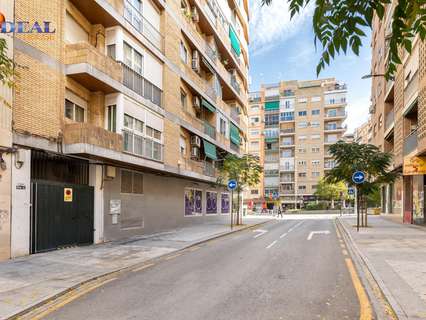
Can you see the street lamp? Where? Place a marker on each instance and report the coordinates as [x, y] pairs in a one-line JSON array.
[[368, 76]]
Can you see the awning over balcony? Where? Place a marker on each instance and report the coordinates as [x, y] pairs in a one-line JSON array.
[[210, 150], [234, 134], [208, 105], [235, 43], [272, 105]]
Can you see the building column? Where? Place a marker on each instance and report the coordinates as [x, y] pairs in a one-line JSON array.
[[96, 181], [21, 203]]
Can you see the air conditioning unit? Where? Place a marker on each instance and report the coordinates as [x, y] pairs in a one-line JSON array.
[[196, 141], [194, 14], [195, 152], [110, 172], [195, 61], [196, 103]]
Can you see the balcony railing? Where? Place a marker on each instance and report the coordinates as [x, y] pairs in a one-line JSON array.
[[235, 147], [389, 119], [142, 146], [287, 143], [287, 180], [287, 168], [235, 85], [334, 127], [329, 165], [209, 169], [209, 130], [410, 143], [254, 96], [235, 115], [211, 93], [140, 85], [289, 130], [335, 114], [287, 191], [141, 24], [412, 88]]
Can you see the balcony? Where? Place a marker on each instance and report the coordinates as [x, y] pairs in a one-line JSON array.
[[329, 165], [410, 143], [334, 102], [287, 191], [200, 167], [142, 146], [137, 83], [143, 26], [272, 98], [287, 143], [288, 131], [235, 115], [235, 84], [86, 133], [235, 147], [287, 118], [209, 130], [336, 128], [411, 90], [89, 66], [335, 115], [209, 169], [330, 141], [287, 168], [254, 96]]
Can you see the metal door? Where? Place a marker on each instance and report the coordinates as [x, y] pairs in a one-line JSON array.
[[58, 222]]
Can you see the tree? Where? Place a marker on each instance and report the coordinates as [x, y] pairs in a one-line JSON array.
[[246, 170], [351, 157], [339, 24], [331, 191], [7, 68]]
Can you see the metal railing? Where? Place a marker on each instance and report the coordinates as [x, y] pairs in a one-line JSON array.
[[329, 165], [335, 114], [287, 143], [410, 143], [142, 146], [254, 96], [287, 168], [334, 127], [134, 81], [211, 53], [235, 85], [135, 18], [235, 115], [209, 130], [389, 119], [211, 93], [289, 130], [209, 169], [235, 147], [412, 88]]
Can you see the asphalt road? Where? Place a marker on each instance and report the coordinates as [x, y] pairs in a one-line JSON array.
[[279, 274]]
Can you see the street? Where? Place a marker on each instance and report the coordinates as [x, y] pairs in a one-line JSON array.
[[273, 272]]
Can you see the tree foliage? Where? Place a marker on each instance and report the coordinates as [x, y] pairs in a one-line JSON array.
[[246, 170], [7, 66], [340, 24], [351, 157], [331, 191]]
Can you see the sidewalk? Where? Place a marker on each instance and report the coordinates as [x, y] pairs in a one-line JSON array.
[[396, 256], [27, 281]]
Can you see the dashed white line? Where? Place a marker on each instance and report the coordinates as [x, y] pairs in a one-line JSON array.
[[272, 244], [283, 235]]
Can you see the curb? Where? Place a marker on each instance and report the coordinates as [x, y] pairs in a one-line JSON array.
[[393, 304], [40, 304]]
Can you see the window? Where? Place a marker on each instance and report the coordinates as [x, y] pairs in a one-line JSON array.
[[302, 150], [254, 120], [301, 162], [302, 138], [254, 107], [302, 124], [254, 145], [316, 99], [314, 187], [153, 133], [133, 135], [182, 146], [111, 51], [315, 137], [315, 174], [133, 59], [112, 118], [73, 111], [133, 13], [302, 100], [193, 202], [183, 52], [131, 182], [315, 124], [222, 126], [287, 116], [302, 174], [254, 191], [183, 99], [272, 119], [286, 154], [254, 132], [315, 112], [302, 113], [316, 162], [302, 188], [315, 150]]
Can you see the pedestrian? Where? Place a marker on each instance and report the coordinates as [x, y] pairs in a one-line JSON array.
[[280, 213]]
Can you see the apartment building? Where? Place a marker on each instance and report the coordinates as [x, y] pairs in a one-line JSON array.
[[397, 121], [122, 114], [291, 126], [362, 134]]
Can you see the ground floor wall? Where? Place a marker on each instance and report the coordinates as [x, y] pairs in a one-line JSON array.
[[137, 203]]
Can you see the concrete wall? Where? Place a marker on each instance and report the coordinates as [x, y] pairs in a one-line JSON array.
[[21, 203], [160, 207]]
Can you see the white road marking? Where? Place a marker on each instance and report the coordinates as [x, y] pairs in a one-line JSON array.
[[272, 244], [261, 232], [312, 233], [283, 235]]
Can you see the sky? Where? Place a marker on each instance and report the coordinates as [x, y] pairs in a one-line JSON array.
[[281, 49]]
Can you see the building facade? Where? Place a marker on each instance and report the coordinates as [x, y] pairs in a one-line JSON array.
[[122, 113], [291, 126], [397, 121], [361, 134]]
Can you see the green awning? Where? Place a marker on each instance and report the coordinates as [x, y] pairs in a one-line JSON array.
[[272, 105], [208, 105], [210, 150], [234, 134], [271, 139], [235, 43]]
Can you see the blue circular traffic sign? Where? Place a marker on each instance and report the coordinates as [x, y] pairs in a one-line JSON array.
[[232, 184], [358, 177]]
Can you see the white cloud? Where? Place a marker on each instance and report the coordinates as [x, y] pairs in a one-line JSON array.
[[271, 24], [357, 112]]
